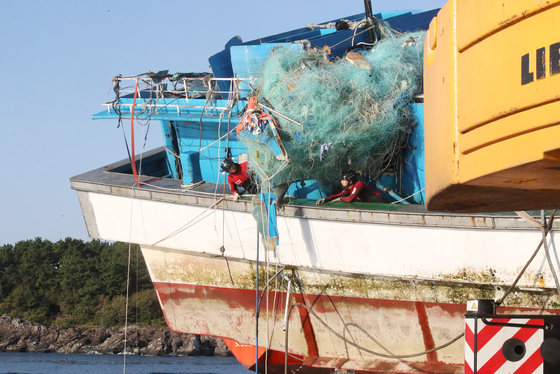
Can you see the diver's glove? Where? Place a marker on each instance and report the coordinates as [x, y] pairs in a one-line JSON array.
[[320, 201]]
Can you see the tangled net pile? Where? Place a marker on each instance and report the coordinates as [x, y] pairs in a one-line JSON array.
[[350, 117]]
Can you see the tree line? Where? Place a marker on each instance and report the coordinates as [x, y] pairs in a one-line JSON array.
[[75, 283]]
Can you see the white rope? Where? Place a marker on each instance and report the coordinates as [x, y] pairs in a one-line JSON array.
[[215, 141], [128, 279], [281, 115], [527, 218], [543, 227], [170, 151], [186, 225], [403, 199], [546, 251], [547, 229]]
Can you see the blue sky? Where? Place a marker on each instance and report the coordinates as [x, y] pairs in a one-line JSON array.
[[57, 60]]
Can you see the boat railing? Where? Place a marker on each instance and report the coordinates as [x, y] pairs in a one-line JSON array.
[[196, 91]]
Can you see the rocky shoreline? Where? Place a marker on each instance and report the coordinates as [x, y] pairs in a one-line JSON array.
[[18, 335]]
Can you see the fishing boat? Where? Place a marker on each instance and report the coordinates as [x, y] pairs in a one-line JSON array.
[[292, 286]]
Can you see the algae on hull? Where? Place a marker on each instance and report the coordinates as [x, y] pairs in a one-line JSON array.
[[449, 288]]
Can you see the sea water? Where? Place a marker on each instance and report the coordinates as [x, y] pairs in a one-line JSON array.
[[47, 363]]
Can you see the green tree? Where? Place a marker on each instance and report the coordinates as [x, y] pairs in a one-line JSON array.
[[76, 283], [33, 268], [79, 279]]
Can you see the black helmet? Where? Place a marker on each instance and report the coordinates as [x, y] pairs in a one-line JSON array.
[[226, 164], [349, 175]]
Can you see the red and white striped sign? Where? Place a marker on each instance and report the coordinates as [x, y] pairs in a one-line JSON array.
[[491, 338]]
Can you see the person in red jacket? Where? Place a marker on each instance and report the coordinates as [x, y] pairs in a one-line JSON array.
[[354, 190], [238, 177]]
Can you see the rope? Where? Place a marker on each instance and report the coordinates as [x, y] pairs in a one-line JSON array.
[[127, 280], [126, 307], [352, 37], [186, 225], [268, 283], [547, 230], [529, 219], [404, 198], [549, 260], [215, 141], [132, 134], [375, 353], [233, 95], [281, 115], [257, 310]]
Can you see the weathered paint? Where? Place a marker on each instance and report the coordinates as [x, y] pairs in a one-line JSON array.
[[426, 332], [270, 361], [404, 316], [391, 324]]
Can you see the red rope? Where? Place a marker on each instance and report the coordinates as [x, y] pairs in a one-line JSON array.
[[132, 133]]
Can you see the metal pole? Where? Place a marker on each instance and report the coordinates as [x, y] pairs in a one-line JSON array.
[[257, 314], [369, 17]]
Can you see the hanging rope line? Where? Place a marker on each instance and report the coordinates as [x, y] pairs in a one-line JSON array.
[[128, 279], [257, 311], [514, 284], [409, 196], [132, 133], [355, 345], [546, 251], [188, 224]]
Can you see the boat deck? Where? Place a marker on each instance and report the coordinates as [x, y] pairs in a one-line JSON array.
[[115, 180]]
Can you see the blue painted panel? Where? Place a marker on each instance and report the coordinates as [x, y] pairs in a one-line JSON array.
[[196, 139], [191, 167], [412, 22], [268, 223], [385, 16], [310, 190], [291, 35], [413, 171], [221, 63]]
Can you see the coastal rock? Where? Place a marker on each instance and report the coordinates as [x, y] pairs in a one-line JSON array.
[[18, 335]]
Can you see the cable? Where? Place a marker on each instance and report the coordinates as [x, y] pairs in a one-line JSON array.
[[257, 310], [375, 353], [268, 283], [132, 134], [549, 260], [547, 230], [409, 196], [352, 37], [186, 225], [127, 280]]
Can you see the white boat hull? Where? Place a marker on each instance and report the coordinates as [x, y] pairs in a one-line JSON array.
[[359, 288]]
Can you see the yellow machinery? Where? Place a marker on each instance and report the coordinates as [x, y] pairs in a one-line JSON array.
[[492, 106]]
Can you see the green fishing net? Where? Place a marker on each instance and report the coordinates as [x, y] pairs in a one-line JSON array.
[[349, 115]]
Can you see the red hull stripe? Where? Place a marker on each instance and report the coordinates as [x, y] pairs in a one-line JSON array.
[[488, 332], [426, 332]]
